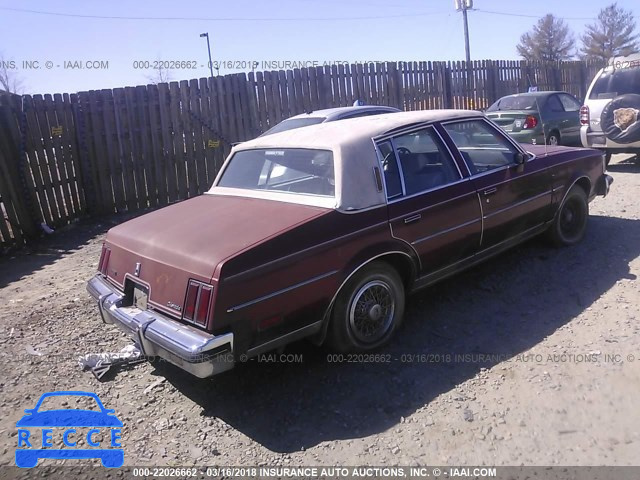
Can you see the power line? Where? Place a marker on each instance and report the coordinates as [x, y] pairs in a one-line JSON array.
[[492, 12], [221, 19]]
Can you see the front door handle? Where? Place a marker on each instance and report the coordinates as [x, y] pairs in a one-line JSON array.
[[490, 191], [412, 218]]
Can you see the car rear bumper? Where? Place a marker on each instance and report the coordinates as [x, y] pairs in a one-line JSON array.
[[597, 139], [195, 351]]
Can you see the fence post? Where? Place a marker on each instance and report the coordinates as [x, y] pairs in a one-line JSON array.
[[582, 75], [447, 94], [556, 76], [14, 165], [394, 93], [85, 177], [490, 87], [523, 83]]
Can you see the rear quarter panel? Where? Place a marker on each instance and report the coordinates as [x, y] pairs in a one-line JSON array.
[[569, 165], [290, 280]]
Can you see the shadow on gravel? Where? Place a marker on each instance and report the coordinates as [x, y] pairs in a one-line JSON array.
[[630, 164], [627, 166], [46, 250], [476, 319]]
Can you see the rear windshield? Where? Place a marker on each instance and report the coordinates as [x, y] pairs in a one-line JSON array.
[[293, 123], [290, 170], [513, 103], [616, 82]]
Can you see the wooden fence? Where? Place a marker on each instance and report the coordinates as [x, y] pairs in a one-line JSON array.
[[106, 151]]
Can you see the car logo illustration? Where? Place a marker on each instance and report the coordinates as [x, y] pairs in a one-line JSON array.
[[100, 422]]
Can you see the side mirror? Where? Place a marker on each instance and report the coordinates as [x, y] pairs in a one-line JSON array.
[[520, 158]]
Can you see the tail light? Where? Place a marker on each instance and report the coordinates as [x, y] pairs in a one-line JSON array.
[[104, 260], [530, 122], [197, 302], [584, 115]]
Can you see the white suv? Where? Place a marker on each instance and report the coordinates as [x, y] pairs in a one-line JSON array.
[[610, 116]]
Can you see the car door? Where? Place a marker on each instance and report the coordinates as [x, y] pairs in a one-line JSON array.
[[571, 123], [515, 198], [553, 116], [430, 205]]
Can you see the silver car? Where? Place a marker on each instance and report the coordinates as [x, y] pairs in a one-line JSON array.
[[329, 115], [610, 116]]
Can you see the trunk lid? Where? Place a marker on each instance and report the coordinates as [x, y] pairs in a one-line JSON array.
[[189, 239], [511, 120]]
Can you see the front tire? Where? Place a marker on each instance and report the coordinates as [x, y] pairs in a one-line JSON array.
[[368, 310], [570, 222]]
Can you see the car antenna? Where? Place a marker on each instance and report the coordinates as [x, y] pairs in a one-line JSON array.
[[544, 136], [529, 80], [532, 89]]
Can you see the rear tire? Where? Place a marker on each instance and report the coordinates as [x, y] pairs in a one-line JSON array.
[[553, 138], [570, 222], [368, 309]]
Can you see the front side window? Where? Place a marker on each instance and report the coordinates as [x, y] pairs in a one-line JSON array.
[[482, 147], [290, 170]]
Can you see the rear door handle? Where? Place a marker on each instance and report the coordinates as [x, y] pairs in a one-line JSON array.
[[412, 218], [490, 191]]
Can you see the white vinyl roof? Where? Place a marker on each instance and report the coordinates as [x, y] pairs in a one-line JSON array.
[[353, 152]]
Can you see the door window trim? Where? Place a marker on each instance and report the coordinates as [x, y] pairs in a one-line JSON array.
[[572, 98], [496, 129], [557, 98], [446, 151]]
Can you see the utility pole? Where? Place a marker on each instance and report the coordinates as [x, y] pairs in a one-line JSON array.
[[206, 34], [464, 5]]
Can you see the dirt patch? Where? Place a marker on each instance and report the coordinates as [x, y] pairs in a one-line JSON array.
[[532, 358]]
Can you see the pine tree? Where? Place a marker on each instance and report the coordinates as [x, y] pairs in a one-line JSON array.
[[549, 41], [611, 35]]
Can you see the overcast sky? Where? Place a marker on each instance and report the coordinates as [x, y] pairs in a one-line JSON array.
[[255, 31]]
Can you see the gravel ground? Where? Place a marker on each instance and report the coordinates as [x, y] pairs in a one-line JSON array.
[[530, 359]]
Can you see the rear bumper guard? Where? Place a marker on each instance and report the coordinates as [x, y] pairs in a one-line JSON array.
[[195, 351], [604, 184]]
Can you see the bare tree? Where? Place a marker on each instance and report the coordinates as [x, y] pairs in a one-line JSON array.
[[160, 74], [549, 41], [10, 81], [611, 35]]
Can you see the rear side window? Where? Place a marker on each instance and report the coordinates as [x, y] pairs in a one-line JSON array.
[[569, 103], [554, 105], [390, 170], [617, 82], [424, 161], [418, 163]]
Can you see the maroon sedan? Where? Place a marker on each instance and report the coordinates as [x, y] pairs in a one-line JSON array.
[[321, 231]]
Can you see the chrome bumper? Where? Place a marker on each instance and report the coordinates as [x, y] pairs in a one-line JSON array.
[[195, 351], [604, 184]]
